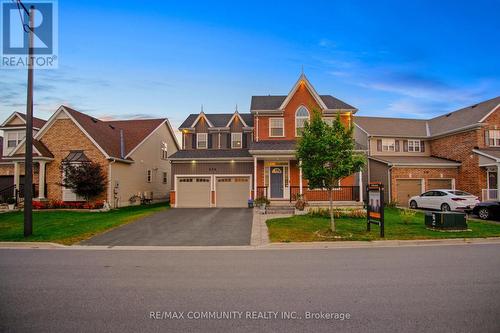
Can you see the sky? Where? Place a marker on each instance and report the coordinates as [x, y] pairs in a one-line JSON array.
[[129, 59]]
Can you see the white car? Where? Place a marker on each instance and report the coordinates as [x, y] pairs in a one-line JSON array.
[[444, 200]]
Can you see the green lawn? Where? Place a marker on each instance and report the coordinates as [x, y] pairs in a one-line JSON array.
[[311, 229], [68, 227]]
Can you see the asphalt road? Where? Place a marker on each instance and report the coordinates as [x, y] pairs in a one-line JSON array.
[[183, 226], [401, 289]]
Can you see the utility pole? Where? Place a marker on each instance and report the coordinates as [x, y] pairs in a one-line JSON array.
[[28, 159]]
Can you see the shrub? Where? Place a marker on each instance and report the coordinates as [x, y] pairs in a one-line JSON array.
[[261, 201], [11, 201], [338, 212], [300, 202], [407, 215]]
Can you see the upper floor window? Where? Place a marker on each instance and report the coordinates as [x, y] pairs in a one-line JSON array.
[[301, 116], [201, 140], [14, 138], [494, 138], [164, 178], [236, 139], [388, 145], [164, 151], [149, 175], [414, 145], [276, 127]]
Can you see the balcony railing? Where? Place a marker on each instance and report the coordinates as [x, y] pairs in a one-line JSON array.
[[490, 194]]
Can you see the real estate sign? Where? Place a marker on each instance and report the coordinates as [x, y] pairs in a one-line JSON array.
[[375, 206]]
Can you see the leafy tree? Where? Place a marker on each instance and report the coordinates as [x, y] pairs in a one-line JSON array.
[[327, 155], [85, 179]]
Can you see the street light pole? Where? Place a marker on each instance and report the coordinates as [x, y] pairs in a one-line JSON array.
[[28, 157]]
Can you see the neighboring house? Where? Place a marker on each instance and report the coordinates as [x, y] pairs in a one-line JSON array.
[[458, 150], [229, 158], [133, 155]]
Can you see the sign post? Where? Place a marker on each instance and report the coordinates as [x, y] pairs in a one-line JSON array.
[[375, 207]]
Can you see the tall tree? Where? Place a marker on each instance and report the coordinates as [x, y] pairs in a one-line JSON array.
[[327, 155], [86, 179]]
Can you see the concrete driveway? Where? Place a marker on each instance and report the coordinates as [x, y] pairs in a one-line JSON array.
[[183, 227]]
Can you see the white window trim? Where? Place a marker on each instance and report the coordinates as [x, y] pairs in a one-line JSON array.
[[233, 135], [149, 175], [389, 143], [301, 117], [198, 136], [495, 137], [416, 146], [282, 127]]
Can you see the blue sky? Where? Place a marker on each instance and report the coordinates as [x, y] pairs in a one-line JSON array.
[[124, 59]]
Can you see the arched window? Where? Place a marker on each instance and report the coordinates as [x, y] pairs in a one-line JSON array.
[[301, 116]]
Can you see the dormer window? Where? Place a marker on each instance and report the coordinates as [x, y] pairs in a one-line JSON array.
[[201, 140], [301, 116], [236, 139]]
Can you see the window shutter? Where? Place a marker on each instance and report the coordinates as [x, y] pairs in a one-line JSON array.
[[228, 142], [245, 139], [405, 145], [209, 140], [422, 146], [193, 140], [379, 145], [397, 145], [486, 138]]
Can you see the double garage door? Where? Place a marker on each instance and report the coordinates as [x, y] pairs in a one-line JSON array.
[[407, 188], [194, 192]]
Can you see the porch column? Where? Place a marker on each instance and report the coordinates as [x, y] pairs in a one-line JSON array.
[[17, 177], [360, 177], [255, 177], [41, 180], [300, 177]]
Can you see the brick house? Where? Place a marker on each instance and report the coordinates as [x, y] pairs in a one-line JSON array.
[[229, 158], [458, 150], [133, 155]]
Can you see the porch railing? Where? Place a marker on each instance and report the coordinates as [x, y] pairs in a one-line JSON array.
[[341, 193], [490, 194], [261, 192]]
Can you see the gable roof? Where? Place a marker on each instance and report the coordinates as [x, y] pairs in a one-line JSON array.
[[106, 134], [415, 160], [217, 119], [37, 122], [468, 117]]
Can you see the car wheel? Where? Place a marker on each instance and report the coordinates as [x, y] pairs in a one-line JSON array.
[[445, 207], [413, 204], [483, 213]]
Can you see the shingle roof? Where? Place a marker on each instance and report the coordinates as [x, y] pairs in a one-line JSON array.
[[217, 119], [210, 153], [415, 160], [494, 152], [274, 102], [44, 151], [273, 145], [392, 126], [107, 133], [37, 122], [449, 122]]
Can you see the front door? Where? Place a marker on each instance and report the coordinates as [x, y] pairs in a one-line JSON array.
[[276, 182]]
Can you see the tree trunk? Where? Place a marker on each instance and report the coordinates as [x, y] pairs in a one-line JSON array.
[[332, 220]]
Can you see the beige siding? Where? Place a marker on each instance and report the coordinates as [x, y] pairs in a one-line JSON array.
[[132, 178], [374, 152]]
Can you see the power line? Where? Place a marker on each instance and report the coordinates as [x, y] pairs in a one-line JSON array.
[[20, 5]]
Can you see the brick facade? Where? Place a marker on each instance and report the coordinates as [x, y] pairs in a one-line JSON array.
[[62, 137]]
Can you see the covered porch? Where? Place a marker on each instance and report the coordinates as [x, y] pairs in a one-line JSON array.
[[489, 162]]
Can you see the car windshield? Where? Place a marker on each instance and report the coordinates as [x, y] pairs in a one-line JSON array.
[[460, 193]]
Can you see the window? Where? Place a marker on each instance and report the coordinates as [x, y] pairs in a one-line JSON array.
[[201, 140], [14, 138], [276, 127], [414, 145], [494, 138], [236, 140], [388, 145], [301, 116], [149, 175], [164, 178], [164, 151]]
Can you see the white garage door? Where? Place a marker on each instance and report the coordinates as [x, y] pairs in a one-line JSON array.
[[193, 192], [232, 191]]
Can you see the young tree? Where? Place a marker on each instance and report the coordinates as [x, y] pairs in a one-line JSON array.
[[327, 155], [85, 179]]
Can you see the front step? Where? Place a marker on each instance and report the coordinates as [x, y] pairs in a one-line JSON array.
[[280, 209]]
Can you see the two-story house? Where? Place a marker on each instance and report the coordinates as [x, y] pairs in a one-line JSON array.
[[227, 159], [133, 155], [458, 150]]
